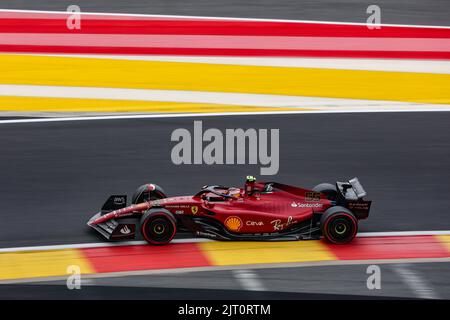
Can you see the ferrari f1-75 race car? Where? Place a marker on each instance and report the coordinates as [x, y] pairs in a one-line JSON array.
[[258, 211]]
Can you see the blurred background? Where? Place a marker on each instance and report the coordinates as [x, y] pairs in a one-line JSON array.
[[350, 99]]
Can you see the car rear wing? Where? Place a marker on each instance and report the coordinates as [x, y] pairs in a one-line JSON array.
[[351, 190], [351, 195]]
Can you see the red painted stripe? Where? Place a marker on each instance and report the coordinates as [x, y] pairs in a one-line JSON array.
[[390, 248], [145, 257], [47, 33], [188, 255], [109, 25], [226, 52]]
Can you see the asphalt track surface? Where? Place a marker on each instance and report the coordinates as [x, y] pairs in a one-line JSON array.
[[420, 12], [325, 282], [54, 176]]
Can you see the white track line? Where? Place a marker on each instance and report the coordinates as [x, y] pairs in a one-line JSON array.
[[95, 245], [216, 18], [221, 114], [198, 240], [249, 280], [229, 98], [415, 282]]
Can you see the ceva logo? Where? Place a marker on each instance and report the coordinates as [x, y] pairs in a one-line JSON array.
[[254, 223]]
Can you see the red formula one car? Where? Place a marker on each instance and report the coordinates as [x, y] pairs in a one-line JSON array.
[[259, 211]]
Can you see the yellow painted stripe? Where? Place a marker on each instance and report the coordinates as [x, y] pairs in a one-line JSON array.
[[353, 84], [31, 264], [445, 240], [8, 103], [236, 253]]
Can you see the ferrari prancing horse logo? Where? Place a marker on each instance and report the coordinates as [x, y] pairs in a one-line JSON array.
[[194, 209]]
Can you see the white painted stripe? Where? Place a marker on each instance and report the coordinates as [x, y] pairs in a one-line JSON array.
[[198, 240], [95, 245], [415, 282], [222, 114], [240, 99], [394, 65], [217, 18], [248, 280]]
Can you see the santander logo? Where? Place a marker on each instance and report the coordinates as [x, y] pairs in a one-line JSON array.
[[306, 205]]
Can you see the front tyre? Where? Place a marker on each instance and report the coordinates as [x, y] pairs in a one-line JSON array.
[[158, 226], [338, 225]]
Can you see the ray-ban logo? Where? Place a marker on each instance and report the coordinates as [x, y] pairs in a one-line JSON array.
[[234, 146]]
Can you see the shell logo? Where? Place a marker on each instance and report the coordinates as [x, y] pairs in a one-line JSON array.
[[233, 223]]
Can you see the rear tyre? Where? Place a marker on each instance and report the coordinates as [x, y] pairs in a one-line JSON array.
[[158, 226], [338, 225], [328, 189], [148, 192]]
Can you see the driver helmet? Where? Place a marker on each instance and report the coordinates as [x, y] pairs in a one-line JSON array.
[[250, 185]]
